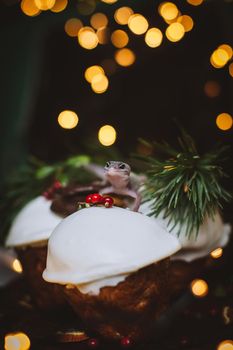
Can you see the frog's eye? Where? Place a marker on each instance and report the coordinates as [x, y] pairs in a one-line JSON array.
[[107, 165], [122, 166]]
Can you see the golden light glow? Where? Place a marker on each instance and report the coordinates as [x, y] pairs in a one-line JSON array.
[[168, 11], [44, 5], [175, 32], [29, 8], [93, 71], [59, 6], [99, 83], [87, 38], [225, 345], [17, 341], [227, 49], [109, 1], [109, 66], [17, 267], [199, 288], [119, 38], [154, 37], [231, 69], [73, 26], [122, 15], [219, 58], [125, 57], [107, 135], [224, 121], [195, 2], [103, 35], [187, 22], [217, 253], [212, 88], [138, 24], [99, 20], [68, 119]]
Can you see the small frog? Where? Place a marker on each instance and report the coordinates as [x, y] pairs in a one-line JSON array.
[[117, 174]]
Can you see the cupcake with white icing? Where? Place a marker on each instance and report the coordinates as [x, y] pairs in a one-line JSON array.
[[112, 265]]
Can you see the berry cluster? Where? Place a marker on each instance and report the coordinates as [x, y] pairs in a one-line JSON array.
[[96, 198], [49, 194]]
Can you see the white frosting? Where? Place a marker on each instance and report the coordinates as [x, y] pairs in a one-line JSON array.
[[100, 246], [34, 223], [211, 235]]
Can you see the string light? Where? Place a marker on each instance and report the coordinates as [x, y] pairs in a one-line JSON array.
[[175, 32], [93, 71], [109, 1], [227, 49], [87, 38], [154, 37], [219, 58], [231, 69], [29, 8], [73, 26], [99, 20], [195, 2], [122, 15], [187, 22], [119, 38], [59, 6], [17, 267], [103, 35], [217, 253], [107, 135], [17, 341], [68, 119], [125, 57], [44, 5], [99, 83], [225, 345], [138, 24], [199, 288], [224, 121], [168, 11]]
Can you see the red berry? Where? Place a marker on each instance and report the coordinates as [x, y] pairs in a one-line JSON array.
[[88, 198], [96, 198], [57, 185], [108, 202], [93, 343], [126, 342]]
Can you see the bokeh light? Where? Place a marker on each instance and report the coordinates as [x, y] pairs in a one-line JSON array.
[[138, 24], [199, 288], [122, 15], [125, 57], [59, 6], [109, 1], [17, 341], [168, 11], [73, 26], [86, 7], [175, 32], [68, 119], [44, 5], [119, 38], [29, 8], [187, 22], [99, 20], [219, 58], [217, 253], [87, 38], [90, 72], [103, 35], [227, 49], [109, 66], [17, 267], [99, 83], [195, 2], [225, 345], [231, 69], [224, 121], [212, 88], [153, 37], [107, 135]]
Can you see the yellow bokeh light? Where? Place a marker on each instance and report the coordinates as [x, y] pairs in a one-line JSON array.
[[224, 121], [107, 135], [217, 253], [219, 58], [153, 37], [17, 341], [109, 66], [109, 1], [195, 2], [44, 5], [93, 71], [99, 20], [119, 38], [138, 24], [187, 22], [29, 8], [125, 57], [227, 49], [99, 83], [68, 119], [103, 35], [225, 345], [73, 26], [231, 69], [17, 267], [168, 11], [87, 38], [199, 288], [122, 15], [59, 6], [175, 32]]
